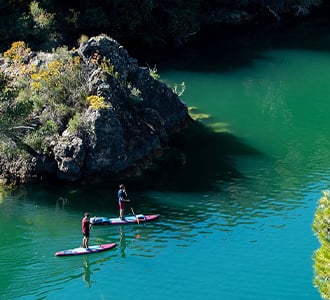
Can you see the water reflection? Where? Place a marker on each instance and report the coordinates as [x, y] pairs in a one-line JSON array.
[[86, 271], [272, 94], [122, 242], [87, 268], [129, 235]]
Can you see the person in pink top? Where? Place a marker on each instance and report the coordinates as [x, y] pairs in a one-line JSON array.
[[85, 227]]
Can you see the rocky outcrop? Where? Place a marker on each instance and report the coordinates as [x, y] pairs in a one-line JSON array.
[[69, 153], [135, 128]]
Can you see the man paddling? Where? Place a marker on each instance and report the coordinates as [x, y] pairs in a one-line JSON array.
[[122, 198], [85, 227]]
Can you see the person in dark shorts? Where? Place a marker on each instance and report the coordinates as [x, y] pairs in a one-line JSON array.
[[122, 198], [85, 227]]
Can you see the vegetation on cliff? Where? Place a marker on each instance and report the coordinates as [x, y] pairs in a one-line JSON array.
[[39, 101], [90, 110], [321, 227]]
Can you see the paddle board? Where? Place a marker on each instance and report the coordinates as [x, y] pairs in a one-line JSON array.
[[127, 220], [90, 250]]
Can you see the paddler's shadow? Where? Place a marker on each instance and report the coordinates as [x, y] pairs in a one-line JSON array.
[[86, 271]]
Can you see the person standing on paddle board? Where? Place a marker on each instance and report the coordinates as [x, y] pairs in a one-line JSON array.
[[85, 227], [122, 198]]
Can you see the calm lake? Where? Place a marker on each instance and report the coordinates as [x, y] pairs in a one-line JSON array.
[[235, 222]]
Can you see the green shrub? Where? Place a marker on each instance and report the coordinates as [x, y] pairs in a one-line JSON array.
[[83, 39], [41, 17], [109, 68], [321, 227], [153, 73], [39, 139], [75, 123], [56, 93]]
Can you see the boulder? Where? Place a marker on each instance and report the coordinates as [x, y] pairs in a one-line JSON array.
[[128, 134]]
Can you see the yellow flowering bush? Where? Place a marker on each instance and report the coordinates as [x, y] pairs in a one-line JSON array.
[[54, 73], [97, 102], [17, 52]]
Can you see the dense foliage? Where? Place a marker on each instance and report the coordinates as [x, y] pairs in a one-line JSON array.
[[39, 102], [47, 24], [321, 227], [44, 94]]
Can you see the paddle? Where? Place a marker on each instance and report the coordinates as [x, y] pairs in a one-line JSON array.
[[137, 219]]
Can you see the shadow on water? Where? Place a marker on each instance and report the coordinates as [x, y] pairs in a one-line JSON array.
[[220, 50], [199, 156], [226, 48]]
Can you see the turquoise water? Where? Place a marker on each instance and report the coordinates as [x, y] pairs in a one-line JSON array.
[[235, 222]]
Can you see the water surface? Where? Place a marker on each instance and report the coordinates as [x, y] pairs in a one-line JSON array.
[[235, 222]]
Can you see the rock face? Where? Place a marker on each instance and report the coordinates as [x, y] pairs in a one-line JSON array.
[[69, 153], [122, 139]]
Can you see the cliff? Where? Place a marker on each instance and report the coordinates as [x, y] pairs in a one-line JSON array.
[[121, 138]]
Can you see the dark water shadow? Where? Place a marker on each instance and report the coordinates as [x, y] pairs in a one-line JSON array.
[[199, 157], [226, 48]]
